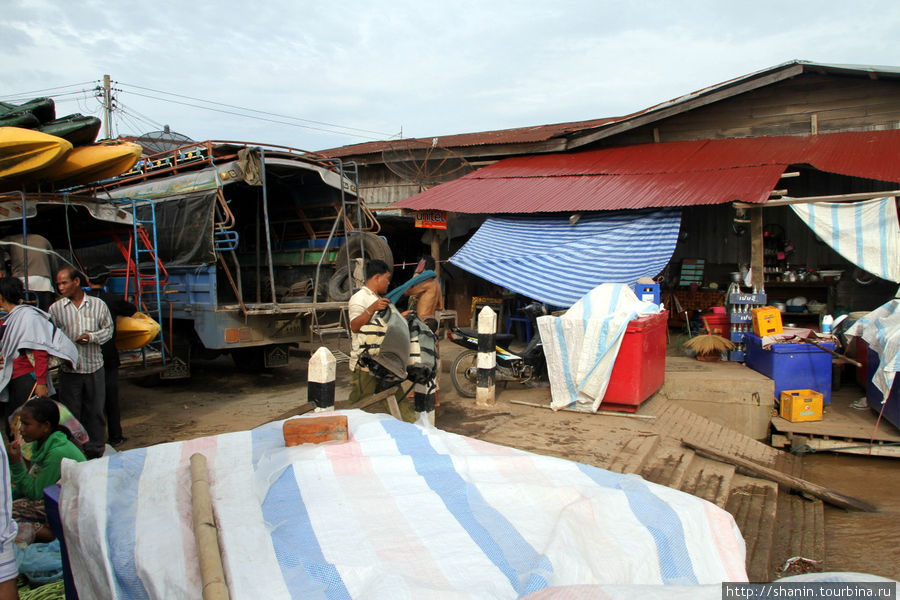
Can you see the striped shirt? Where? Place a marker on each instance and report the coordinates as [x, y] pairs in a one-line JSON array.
[[92, 318]]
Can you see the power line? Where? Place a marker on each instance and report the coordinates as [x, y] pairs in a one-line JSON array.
[[229, 112], [60, 87], [262, 112], [136, 115]]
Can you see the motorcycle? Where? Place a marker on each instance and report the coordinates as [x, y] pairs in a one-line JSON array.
[[527, 367]]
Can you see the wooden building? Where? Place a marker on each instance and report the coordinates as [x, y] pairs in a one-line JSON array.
[[797, 98]]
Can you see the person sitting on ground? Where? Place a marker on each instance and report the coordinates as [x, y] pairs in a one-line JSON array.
[[426, 295], [50, 443]]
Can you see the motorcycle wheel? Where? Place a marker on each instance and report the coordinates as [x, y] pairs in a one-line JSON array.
[[463, 373]]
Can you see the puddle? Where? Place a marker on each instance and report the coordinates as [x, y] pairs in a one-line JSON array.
[[856, 541]]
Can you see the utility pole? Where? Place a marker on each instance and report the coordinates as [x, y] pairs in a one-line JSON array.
[[107, 105]]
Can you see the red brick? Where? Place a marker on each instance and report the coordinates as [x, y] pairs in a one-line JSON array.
[[315, 430]]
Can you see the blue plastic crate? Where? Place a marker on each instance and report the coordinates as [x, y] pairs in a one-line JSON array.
[[736, 356], [792, 366]]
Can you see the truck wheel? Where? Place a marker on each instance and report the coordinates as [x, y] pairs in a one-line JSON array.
[[464, 373], [374, 246], [249, 360], [339, 285]]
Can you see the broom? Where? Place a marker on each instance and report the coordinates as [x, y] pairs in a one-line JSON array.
[[708, 346]]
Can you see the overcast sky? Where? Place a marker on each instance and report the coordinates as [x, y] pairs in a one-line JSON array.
[[426, 68]]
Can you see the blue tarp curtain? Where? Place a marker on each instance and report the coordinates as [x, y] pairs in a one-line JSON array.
[[549, 259]]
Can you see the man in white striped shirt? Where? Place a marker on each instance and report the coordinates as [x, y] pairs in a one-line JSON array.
[[87, 322]]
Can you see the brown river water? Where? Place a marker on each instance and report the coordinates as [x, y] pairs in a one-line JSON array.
[[857, 541]]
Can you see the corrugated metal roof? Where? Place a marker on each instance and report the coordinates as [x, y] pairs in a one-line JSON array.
[[654, 175], [519, 135]]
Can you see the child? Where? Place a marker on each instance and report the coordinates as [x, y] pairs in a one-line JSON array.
[[50, 444]]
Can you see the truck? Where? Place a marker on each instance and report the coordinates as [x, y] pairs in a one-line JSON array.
[[234, 248]]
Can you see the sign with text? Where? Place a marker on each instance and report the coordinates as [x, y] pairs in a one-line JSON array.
[[431, 219]]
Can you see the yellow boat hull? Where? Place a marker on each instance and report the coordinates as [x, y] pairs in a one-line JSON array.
[[135, 331], [24, 151], [86, 164]]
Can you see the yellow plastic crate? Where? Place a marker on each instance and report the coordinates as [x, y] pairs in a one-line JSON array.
[[801, 405], [766, 321]]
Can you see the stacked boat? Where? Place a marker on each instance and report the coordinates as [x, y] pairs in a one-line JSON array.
[[37, 149]]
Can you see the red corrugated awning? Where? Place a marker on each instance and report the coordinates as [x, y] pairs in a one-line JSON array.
[[655, 175]]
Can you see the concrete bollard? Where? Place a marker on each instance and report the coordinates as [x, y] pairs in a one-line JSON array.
[[487, 357], [424, 399], [320, 380]]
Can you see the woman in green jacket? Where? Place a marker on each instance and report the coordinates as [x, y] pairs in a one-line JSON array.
[[50, 443]]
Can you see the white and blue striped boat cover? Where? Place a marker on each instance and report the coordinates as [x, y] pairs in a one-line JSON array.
[[865, 233], [881, 331], [398, 511], [548, 259]]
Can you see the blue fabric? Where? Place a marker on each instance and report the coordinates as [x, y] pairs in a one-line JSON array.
[[548, 259], [395, 294]]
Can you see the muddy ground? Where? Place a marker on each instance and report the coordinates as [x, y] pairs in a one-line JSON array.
[[220, 398]]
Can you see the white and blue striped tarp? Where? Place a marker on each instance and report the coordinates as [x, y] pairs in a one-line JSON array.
[[865, 233], [547, 258], [397, 511], [881, 331]]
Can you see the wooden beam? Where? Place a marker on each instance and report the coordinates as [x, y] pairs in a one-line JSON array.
[[809, 199], [757, 253], [795, 483], [364, 403], [790, 174]]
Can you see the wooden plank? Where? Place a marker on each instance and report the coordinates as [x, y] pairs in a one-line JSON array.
[[717, 94], [608, 413], [853, 447], [826, 494], [634, 454]]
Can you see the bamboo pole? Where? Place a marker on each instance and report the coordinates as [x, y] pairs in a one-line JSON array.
[[212, 573], [809, 199], [795, 483]]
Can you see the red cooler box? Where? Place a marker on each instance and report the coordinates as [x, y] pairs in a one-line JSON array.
[[640, 367]]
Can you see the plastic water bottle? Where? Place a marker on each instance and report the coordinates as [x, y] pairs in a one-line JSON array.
[[827, 320]]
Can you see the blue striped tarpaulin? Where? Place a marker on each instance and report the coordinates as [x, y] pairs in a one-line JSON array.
[[865, 233], [551, 260]]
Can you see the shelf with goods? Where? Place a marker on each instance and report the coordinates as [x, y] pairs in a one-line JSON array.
[[739, 306], [820, 292]]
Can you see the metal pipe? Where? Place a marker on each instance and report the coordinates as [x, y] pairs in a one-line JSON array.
[[262, 161], [258, 278]]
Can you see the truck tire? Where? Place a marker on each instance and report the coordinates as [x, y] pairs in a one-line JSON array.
[[374, 246], [339, 285]]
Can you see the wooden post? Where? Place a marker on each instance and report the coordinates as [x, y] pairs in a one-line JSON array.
[[487, 357], [212, 574], [320, 379], [757, 255], [436, 252], [795, 483]]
